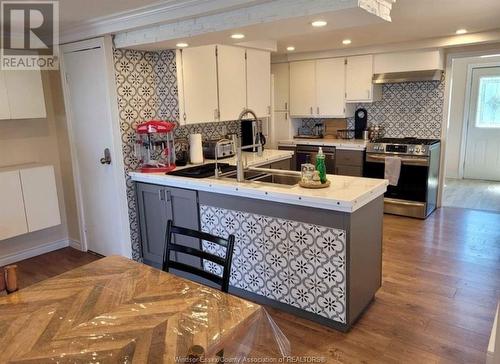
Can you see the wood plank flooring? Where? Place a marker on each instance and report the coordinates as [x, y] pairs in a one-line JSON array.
[[441, 284]]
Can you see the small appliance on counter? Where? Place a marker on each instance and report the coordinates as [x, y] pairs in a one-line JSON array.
[[218, 149], [155, 147], [306, 133], [251, 133], [360, 123]]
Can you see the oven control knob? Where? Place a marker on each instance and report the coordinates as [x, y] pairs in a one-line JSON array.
[[417, 150], [411, 150]]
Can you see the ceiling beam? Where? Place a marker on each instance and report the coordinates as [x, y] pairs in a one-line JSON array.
[[262, 12]]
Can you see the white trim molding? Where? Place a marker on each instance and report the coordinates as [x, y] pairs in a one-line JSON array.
[[33, 252]]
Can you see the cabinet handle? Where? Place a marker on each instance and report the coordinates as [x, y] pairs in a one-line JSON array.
[[317, 109], [169, 195], [216, 114], [311, 110], [286, 105], [286, 116], [161, 195], [269, 110]]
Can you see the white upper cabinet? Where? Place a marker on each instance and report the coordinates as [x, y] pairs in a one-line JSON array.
[[359, 80], [302, 88], [197, 84], [330, 88], [232, 81], [281, 73], [21, 95], [259, 82], [317, 89]]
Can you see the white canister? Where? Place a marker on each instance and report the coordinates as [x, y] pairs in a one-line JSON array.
[[195, 149]]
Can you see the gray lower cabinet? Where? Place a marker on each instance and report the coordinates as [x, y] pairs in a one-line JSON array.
[[158, 204], [349, 162], [293, 160]]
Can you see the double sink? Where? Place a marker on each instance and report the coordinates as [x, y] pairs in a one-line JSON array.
[[265, 175], [278, 177]]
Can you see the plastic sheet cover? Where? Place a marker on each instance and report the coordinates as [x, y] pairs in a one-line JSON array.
[[118, 311]]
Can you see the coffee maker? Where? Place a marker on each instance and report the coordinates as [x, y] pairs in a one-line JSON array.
[[251, 133]]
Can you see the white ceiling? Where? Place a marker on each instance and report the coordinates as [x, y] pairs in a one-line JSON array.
[[411, 20]]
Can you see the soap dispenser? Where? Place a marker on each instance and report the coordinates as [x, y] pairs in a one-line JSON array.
[[320, 165]]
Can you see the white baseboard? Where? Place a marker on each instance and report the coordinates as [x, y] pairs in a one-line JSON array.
[[75, 244], [33, 252]]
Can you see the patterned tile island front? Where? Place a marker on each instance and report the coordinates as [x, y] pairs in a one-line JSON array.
[[320, 264]]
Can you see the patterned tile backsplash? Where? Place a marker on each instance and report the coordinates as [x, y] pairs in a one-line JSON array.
[[147, 89], [413, 109]]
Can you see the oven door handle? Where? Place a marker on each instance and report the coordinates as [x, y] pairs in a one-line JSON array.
[[408, 161]]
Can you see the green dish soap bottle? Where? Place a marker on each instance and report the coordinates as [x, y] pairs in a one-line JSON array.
[[320, 165]]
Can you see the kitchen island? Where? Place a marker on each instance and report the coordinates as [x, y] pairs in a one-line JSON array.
[[314, 253]]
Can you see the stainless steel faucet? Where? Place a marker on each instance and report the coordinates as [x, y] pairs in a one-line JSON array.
[[257, 144]]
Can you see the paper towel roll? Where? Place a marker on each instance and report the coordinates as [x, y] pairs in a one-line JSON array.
[[195, 149]]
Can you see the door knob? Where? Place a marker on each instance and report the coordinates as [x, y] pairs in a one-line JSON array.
[[107, 157]]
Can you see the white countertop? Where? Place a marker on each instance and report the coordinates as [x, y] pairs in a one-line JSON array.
[[345, 193], [343, 144]]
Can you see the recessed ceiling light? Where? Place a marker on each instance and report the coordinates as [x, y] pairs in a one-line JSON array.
[[461, 31], [346, 41], [290, 49], [182, 45], [238, 36], [319, 23]]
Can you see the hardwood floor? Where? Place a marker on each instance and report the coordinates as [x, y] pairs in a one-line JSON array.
[[441, 284]]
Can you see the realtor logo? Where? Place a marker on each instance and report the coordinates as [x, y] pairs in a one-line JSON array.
[[30, 35]]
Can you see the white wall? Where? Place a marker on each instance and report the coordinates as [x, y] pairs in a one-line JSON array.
[[455, 128]]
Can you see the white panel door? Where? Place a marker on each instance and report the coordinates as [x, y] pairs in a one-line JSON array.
[[198, 89], [281, 73], [302, 88], [232, 81], [359, 78], [482, 156], [25, 93], [12, 215], [330, 87], [40, 197], [259, 82], [4, 101], [90, 110]]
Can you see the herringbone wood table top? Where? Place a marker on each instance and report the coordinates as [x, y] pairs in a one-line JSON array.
[[117, 310]]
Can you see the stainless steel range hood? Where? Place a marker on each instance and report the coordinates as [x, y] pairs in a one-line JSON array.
[[410, 76]]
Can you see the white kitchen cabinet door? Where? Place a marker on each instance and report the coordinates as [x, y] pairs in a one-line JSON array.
[[12, 215], [232, 81], [25, 94], [198, 87], [330, 88], [281, 128], [359, 80], [40, 197], [4, 101], [281, 72], [259, 82], [302, 88]]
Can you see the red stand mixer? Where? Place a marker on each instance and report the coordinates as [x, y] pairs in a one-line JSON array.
[[155, 147]]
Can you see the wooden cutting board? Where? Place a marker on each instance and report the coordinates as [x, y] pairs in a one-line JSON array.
[[332, 126]]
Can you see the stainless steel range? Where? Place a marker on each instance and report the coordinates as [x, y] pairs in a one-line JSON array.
[[416, 192]]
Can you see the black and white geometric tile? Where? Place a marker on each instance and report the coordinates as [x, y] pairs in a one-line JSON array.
[[299, 264], [411, 109], [146, 85]]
